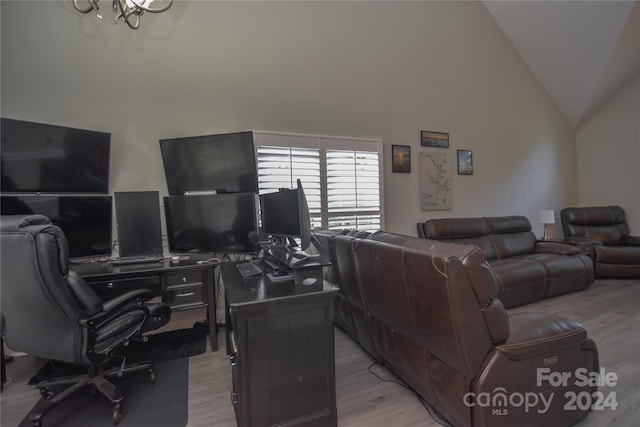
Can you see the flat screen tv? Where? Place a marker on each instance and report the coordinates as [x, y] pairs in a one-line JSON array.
[[85, 220], [217, 223], [286, 214], [224, 163], [43, 158]]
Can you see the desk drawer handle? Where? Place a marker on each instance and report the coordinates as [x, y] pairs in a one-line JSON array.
[[186, 294], [110, 285]]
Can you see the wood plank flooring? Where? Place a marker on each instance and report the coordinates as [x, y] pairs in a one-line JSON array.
[[609, 309]]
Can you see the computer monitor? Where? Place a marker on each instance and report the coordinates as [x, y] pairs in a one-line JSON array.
[[218, 223], [138, 223], [224, 163], [85, 220], [286, 214]]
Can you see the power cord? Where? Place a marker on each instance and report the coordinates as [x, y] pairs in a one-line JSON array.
[[436, 417]]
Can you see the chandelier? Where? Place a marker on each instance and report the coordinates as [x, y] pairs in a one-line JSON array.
[[129, 10]]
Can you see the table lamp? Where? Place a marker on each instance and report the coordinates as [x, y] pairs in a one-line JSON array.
[[546, 217]]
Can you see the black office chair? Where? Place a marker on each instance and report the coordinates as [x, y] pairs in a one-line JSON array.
[[50, 312]]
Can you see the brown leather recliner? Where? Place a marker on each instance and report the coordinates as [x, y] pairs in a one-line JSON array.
[[437, 323], [616, 251]]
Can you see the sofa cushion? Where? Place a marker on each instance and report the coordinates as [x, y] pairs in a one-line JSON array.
[[564, 274], [513, 244], [526, 280]]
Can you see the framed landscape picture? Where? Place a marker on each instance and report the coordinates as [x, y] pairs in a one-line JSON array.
[[401, 155], [465, 162], [434, 139]]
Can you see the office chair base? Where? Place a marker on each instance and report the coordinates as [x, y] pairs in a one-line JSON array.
[[95, 383]]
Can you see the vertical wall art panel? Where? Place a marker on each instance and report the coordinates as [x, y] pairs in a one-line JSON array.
[[435, 180]]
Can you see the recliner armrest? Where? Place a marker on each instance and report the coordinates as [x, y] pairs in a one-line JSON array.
[[556, 248], [630, 240], [582, 239], [533, 334]]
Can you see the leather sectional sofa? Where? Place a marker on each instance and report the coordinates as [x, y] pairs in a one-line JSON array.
[[430, 312], [616, 252], [527, 269]]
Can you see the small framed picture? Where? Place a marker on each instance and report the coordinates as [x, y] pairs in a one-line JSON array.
[[434, 139], [465, 162], [401, 155]]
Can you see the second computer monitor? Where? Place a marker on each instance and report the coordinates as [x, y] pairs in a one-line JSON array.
[[138, 223], [286, 214]]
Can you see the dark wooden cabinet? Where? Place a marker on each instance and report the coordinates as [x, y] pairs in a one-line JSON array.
[[280, 340], [186, 286]]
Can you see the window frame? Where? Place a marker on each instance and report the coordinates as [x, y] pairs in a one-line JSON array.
[[324, 143]]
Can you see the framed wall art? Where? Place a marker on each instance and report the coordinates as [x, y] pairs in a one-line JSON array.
[[401, 158], [434, 139], [465, 162], [435, 180]]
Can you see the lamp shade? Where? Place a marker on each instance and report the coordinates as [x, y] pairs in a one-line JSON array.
[[546, 217]]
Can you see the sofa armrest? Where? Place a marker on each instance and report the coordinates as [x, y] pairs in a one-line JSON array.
[[631, 240], [556, 248], [577, 240], [534, 334]]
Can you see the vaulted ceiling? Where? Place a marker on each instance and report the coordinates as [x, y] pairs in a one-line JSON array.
[[582, 52]]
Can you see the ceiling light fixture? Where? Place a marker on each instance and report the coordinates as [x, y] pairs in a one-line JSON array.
[[129, 10]]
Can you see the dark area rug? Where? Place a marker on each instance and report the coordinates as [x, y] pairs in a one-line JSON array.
[[162, 404], [160, 347]]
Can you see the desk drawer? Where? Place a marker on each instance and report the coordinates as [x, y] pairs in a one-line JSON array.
[[182, 296], [112, 288], [184, 278]]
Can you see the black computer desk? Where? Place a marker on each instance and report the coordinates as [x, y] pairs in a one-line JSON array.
[[187, 286]]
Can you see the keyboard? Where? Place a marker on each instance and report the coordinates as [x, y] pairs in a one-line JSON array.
[[134, 260], [248, 269]]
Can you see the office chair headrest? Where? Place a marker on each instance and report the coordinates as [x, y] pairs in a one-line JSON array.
[[17, 222], [36, 224]]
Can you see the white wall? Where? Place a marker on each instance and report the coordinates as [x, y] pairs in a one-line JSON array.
[[381, 69], [609, 155]]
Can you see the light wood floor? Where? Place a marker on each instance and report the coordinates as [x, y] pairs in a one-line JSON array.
[[609, 309]]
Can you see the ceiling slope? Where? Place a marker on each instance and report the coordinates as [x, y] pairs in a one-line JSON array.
[[582, 52]]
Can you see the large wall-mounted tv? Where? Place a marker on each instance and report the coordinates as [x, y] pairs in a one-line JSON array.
[[85, 220], [224, 163], [217, 223], [43, 158]]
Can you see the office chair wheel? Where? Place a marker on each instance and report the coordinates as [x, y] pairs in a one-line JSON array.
[[152, 376], [117, 414], [46, 394]]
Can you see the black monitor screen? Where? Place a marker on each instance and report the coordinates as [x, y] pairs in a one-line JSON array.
[[42, 158], [279, 213], [217, 223], [224, 163], [85, 220], [138, 223], [286, 214]]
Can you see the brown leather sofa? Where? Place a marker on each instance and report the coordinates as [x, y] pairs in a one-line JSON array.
[[431, 314], [616, 252], [527, 269]]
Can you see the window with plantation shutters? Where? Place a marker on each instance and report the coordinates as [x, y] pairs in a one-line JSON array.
[[341, 177]]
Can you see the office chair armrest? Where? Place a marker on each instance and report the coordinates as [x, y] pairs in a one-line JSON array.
[[138, 296], [97, 320]]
